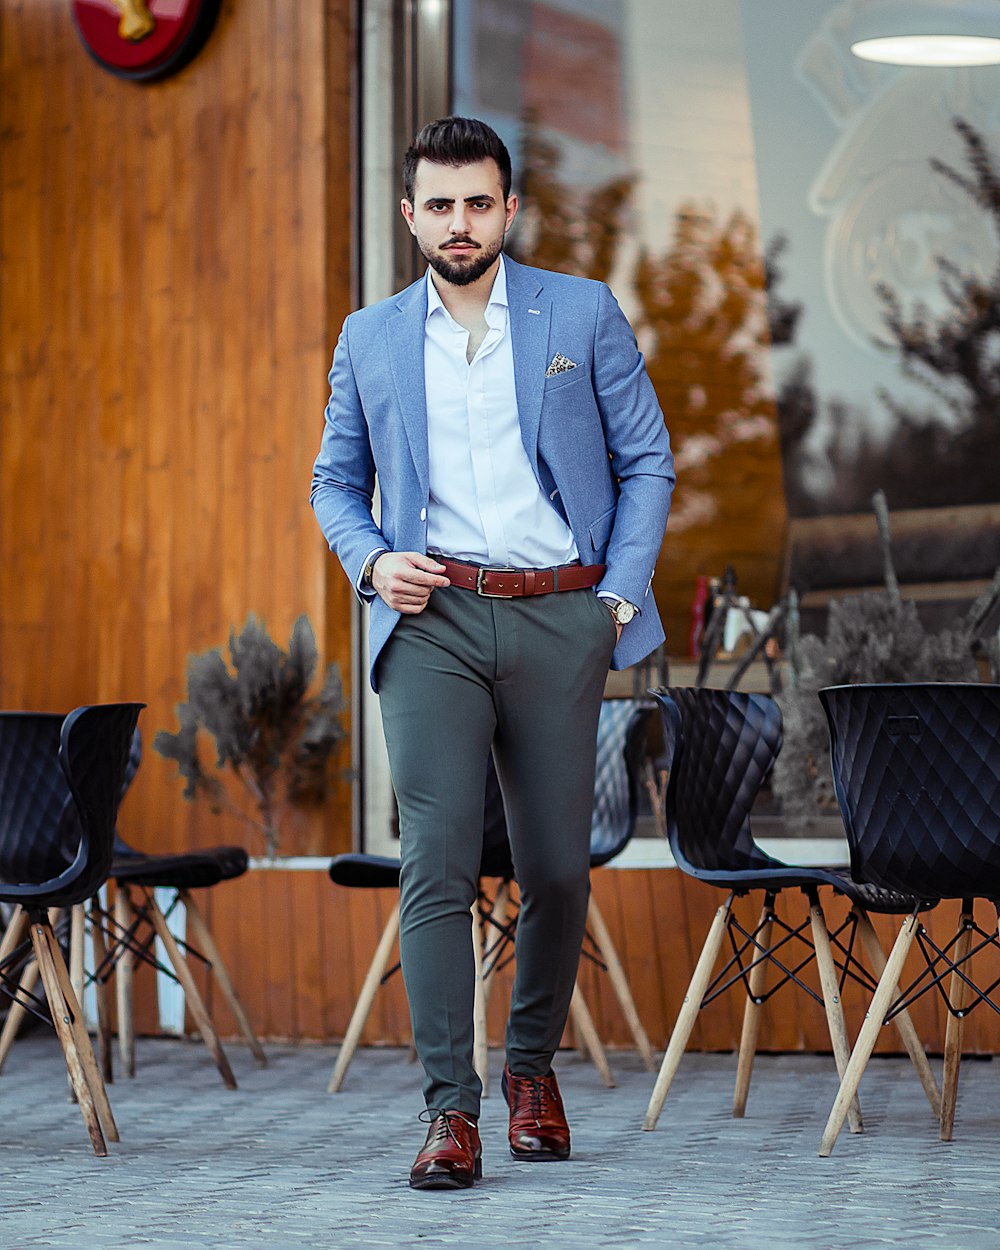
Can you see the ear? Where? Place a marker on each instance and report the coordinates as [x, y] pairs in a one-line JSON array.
[[406, 208], [511, 209]]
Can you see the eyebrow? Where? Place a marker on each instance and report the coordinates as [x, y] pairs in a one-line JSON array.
[[469, 199]]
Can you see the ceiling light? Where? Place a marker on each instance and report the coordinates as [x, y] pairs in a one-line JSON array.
[[927, 32]]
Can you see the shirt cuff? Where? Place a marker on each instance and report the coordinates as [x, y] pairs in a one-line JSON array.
[[367, 592], [610, 594]]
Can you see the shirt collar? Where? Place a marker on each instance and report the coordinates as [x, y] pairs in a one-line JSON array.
[[498, 297]]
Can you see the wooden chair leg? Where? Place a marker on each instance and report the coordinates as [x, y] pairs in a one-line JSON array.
[[76, 960], [192, 995], [16, 1012], [14, 933], [688, 1014], [832, 1004], [124, 981], [50, 959], [753, 1010], [29, 978], [101, 991], [957, 991], [619, 982], [868, 1036], [82, 1039], [584, 1022], [362, 1008], [903, 1021], [77, 971], [480, 1045], [202, 937]]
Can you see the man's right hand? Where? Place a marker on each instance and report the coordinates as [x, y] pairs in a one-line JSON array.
[[405, 579]]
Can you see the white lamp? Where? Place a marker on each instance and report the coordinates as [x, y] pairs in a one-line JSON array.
[[927, 32]]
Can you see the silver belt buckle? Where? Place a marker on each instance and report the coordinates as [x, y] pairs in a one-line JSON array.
[[480, 579]]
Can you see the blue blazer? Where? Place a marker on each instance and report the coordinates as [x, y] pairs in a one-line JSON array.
[[594, 436]]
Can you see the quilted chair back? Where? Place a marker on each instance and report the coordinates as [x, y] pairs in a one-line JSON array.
[[721, 745], [131, 769], [621, 745], [38, 818], [60, 785], [917, 773]]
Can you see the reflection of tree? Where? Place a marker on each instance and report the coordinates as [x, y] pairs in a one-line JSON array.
[[704, 323], [931, 458], [562, 229], [702, 314], [957, 356]]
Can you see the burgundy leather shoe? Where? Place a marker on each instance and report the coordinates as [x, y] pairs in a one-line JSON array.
[[538, 1130], [452, 1157]]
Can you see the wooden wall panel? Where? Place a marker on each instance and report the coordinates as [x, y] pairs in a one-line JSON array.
[[168, 309], [320, 939]]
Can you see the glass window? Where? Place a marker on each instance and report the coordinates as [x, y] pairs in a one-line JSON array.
[[694, 153]]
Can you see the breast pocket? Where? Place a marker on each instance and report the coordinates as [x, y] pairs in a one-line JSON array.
[[558, 381]]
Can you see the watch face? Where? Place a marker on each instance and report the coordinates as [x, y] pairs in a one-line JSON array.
[[625, 612]]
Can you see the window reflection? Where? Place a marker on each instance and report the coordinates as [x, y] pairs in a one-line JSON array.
[[807, 247]]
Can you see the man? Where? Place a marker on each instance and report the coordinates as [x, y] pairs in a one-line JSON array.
[[523, 465]]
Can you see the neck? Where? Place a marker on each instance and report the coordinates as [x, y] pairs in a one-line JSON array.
[[465, 301]]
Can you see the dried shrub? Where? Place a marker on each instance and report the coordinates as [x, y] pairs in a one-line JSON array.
[[274, 742]]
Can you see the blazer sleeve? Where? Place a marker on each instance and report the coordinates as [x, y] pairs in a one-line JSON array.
[[343, 483], [639, 448]]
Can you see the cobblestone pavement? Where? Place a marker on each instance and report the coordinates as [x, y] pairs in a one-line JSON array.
[[280, 1163]]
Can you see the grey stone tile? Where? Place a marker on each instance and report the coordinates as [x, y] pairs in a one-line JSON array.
[[280, 1163]]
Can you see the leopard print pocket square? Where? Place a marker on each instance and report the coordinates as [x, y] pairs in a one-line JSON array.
[[560, 364]]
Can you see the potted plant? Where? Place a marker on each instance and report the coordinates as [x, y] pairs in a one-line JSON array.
[[274, 741]]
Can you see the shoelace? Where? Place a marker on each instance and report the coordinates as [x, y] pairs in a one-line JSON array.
[[441, 1119], [538, 1094]]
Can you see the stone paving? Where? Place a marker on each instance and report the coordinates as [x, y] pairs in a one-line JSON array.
[[280, 1163]]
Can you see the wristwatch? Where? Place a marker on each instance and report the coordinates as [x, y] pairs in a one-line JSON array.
[[621, 609], [369, 569]]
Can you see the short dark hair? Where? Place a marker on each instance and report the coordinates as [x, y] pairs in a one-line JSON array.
[[456, 141]]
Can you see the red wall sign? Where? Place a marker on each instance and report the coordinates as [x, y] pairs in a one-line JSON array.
[[144, 39]]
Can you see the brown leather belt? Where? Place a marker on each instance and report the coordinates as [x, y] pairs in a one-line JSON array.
[[513, 583]]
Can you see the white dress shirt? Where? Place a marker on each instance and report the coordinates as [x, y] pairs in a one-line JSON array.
[[485, 502]]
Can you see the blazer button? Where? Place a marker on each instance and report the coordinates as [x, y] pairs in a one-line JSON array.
[[423, 514]]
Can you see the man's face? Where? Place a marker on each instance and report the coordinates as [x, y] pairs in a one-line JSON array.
[[459, 218]]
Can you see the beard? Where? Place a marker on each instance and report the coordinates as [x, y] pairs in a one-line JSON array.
[[465, 271]]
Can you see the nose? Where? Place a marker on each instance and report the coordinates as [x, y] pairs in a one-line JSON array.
[[458, 223]]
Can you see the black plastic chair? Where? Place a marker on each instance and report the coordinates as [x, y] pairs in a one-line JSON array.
[[917, 775], [621, 742], [721, 745], [138, 916], [126, 936], [621, 755], [377, 872], [60, 785]]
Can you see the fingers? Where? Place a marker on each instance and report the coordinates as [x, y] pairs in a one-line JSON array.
[[405, 579], [427, 563]]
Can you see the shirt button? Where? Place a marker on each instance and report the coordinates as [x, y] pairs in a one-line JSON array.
[[423, 514]]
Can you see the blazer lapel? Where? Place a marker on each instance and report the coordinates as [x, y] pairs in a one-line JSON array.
[[404, 332], [530, 313]]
